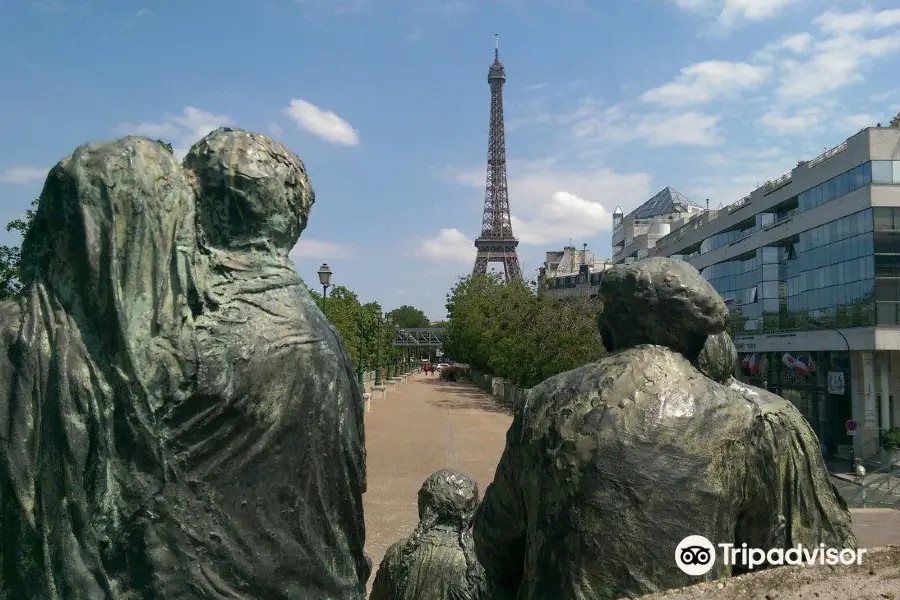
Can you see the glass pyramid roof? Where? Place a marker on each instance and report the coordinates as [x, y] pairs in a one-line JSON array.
[[668, 200]]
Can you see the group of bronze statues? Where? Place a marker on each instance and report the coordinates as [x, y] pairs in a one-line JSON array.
[[179, 421]]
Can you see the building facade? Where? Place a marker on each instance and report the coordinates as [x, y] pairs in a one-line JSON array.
[[636, 233], [809, 264], [571, 272]]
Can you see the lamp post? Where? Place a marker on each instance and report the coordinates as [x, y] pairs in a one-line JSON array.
[[378, 352], [325, 278], [360, 369], [822, 325]]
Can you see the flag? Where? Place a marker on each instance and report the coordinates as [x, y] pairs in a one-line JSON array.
[[801, 365]]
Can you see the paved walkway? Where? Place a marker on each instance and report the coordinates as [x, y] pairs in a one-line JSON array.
[[429, 424], [424, 426]]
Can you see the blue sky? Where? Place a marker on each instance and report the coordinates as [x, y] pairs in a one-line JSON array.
[[387, 103]]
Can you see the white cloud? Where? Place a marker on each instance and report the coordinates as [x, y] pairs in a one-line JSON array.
[[792, 123], [564, 216], [836, 21], [23, 175], [734, 174], [449, 244], [729, 13], [616, 125], [182, 131], [707, 80], [322, 123], [885, 96], [840, 54], [276, 129], [861, 120], [311, 248], [550, 204]]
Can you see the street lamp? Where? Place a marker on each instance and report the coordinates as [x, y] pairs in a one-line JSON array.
[[360, 368], [822, 325], [378, 351], [325, 278]]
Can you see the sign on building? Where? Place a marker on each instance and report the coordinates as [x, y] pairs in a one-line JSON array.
[[836, 384]]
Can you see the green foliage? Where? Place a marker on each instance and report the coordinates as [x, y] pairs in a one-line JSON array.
[[367, 334], [166, 145], [408, 317], [454, 373], [891, 439], [895, 122], [11, 256], [507, 330]]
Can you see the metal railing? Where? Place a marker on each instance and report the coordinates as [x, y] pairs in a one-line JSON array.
[[878, 488], [827, 154], [774, 184]]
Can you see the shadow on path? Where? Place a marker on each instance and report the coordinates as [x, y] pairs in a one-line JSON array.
[[464, 395]]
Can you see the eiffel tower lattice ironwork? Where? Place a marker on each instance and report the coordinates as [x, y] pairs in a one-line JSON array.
[[496, 243]]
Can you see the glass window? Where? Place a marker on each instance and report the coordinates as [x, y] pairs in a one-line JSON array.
[[883, 218], [896, 171], [842, 184], [829, 189], [886, 290], [882, 171], [817, 194], [866, 169], [886, 313]]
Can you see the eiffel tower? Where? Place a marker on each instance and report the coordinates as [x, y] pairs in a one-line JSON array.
[[497, 242]]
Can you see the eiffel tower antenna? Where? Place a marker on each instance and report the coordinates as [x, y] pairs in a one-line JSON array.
[[496, 243]]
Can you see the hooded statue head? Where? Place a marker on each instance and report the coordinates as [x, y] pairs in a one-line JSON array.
[[719, 358], [251, 191], [448, 497], [660, 301], [112, 243]]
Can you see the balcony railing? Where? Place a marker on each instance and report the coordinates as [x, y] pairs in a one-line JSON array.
[[827, 154], [774, 184]]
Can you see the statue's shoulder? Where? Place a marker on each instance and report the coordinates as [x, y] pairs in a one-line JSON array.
[[613, 375]]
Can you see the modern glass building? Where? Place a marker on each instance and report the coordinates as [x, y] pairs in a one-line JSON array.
[[810, 266]]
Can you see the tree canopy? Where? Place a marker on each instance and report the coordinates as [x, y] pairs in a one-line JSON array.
[[408, 317], [368, 333], [11, 256], [505, 329]]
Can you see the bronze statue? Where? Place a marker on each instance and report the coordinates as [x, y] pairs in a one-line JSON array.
[[608, 467], [437, 561], [180, 420]]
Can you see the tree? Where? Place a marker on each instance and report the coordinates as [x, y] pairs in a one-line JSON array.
[[166, 145], [895, 122], [408, 317], [11, 256], [504, 328], [367, 333]]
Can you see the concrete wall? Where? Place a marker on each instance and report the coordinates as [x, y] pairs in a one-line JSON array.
[[874, 377], [507, 393]]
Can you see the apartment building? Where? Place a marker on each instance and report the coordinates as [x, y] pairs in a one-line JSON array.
[[809, 264], [571, 272], [636, 233]]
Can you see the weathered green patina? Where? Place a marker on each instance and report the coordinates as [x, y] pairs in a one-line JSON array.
[[609, 466], [179, 419], [437, 561]]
